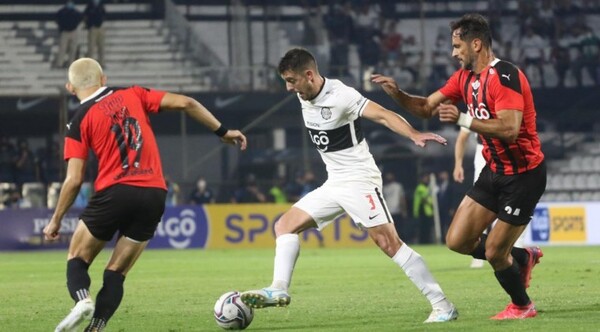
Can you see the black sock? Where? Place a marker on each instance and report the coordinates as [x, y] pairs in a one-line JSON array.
[[510, 280], [109, 297], [97, 324], [78, 279], [520, 255], [479, 251]]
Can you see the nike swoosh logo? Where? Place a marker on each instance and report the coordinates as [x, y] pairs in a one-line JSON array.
[[224, 102], [25, 105], [373, 217]]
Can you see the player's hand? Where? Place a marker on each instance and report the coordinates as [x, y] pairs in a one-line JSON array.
[[448, 113], [421, 139], [459, 174], [51, 230], [234, 137], [388, 84]]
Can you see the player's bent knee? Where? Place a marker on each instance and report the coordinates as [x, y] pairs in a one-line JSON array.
[[458, 245]]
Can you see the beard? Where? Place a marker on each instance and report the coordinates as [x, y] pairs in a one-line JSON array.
[[468, 62]]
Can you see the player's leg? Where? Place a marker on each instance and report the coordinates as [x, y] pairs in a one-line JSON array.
[[479, 163], [517, 198], [124, 256], [84, 247], [318, 204], [136, 212], [367, 207], [499, 245], [413, 265]]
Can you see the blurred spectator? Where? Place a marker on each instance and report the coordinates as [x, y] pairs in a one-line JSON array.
[[173, 192], [446, 201], [309, 183], [545, 16], [506, 53], [412, 55], [277, 193], [566, 15], [423, 209], [94, 17], [559, 56], [68, 19], [369, 53], [340, 27], [314, 37], [202, 194], [7, 158], [26, 166], [440, 59], [314, 27], [11, 198], [532, 55], [366, 18], [589, 56], [295, 188], [391, 44], [51, 163], [395, 197], [84, 195], [249, 192]]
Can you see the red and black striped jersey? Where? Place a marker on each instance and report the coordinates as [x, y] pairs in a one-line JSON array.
[[114, 124], [500, 86]]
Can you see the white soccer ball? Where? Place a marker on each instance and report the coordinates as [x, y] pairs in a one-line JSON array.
[[231, 313]]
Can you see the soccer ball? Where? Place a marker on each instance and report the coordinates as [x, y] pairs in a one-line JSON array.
[[231, 313]]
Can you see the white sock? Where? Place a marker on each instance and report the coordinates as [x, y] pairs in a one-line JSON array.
[[287, 249], [414, 266], [520, 243]]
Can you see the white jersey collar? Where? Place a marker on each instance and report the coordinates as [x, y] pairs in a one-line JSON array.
[[93, 95]]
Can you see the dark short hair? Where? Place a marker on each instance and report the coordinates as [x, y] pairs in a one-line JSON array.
[[473, 26], [296, 59]]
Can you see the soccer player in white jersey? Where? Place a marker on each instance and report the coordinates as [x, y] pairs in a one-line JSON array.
[[332, 113], [459, 176]]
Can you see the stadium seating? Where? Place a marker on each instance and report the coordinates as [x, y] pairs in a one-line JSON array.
[[33, 195]]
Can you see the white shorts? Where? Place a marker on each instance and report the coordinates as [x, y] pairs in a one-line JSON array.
[[363, 201], [479, 161]]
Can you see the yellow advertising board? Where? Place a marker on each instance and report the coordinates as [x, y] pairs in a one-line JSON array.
[[567, 224], [251, 226]]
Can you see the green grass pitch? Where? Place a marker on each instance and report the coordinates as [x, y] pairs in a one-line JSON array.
[[332, 290]]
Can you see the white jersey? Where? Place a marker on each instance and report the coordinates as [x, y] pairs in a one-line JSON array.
[[333, 122]]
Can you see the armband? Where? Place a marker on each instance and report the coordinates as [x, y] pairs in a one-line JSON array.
[[221, 131], [464, 120]]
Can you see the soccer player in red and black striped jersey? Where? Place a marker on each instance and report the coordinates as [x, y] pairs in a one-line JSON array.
[[130, 189], [501, 110]]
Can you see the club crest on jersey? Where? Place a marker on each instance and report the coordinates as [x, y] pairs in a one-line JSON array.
[[491, 71], [476, 85], [326, 113]]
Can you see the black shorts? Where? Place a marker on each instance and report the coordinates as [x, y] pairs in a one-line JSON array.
[[512, 197], [133, 211]]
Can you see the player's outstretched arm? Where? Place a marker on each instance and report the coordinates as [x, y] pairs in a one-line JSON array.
[[459, 154], [505, 126], [398, 124], [198, 112], [68, 193], [423, 107]]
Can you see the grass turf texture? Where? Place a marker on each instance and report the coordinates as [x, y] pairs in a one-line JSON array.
[[332, 290]]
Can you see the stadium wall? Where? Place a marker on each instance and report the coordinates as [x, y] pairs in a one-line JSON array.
[[222, 226]]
